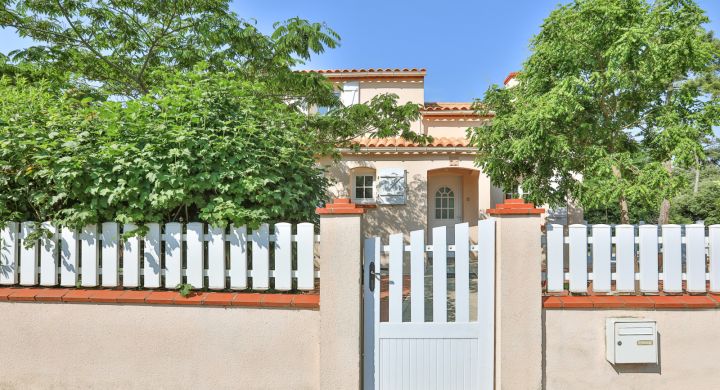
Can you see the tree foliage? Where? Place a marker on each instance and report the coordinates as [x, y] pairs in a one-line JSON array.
[[203, 146], [121, 43], [603, 110], [139, 111], [689, 207]]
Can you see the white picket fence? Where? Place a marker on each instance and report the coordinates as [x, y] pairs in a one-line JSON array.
[[216, 260], [633, 258]]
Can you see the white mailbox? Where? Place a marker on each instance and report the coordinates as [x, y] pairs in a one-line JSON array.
[[631, 340]]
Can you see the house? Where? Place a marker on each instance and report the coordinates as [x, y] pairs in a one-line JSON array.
[[407, 186], [404, 185]]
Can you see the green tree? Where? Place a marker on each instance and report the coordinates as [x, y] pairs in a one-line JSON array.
[[206, 145], [124, 48], [140, 111], [709, 80], [120, 43], [603, 111], [703, 204]]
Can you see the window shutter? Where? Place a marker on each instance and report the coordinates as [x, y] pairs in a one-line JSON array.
[[391, 186], [557, 215], [350, 94]]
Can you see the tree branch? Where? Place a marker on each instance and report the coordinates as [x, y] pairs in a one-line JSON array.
[[84, 42], [164, 32]]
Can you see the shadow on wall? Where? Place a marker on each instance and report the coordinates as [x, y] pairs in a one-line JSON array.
[[385, 219], [340, 174], [391, 219]]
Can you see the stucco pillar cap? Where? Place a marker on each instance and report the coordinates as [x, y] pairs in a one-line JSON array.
[[340, 206], [515, 207]]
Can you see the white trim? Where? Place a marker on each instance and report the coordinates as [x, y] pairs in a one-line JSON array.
[[358, 172]]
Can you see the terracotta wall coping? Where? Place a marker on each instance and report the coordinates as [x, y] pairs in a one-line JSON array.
[[153, 297], [340, 206], [515, 207], [708, 301]]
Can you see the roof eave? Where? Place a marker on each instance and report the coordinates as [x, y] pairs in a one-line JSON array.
[[365, 73], [410, 150], [448, 112]]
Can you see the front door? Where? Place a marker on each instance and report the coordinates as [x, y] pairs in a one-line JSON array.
[[445, 204]]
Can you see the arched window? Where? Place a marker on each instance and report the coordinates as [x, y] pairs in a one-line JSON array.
[[444, 203]]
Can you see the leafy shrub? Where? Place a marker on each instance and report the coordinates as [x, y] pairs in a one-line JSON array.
[[208, 146]]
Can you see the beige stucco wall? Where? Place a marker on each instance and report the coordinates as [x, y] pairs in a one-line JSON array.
[[389, 219], [448, 128], [407, 92], [688, 340], [341, 311], [518, 315], [89, 346]]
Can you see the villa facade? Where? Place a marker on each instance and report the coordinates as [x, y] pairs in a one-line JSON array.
[[404, 184]]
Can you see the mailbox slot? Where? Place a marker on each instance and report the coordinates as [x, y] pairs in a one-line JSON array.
[[635, 331]]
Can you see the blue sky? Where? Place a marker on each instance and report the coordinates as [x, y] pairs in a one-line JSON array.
[[465, 45]]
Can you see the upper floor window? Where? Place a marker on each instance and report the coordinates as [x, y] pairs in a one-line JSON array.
[[323, 110], [348, 93]]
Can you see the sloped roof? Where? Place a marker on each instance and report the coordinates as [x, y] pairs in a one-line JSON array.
[[373, 74], [368, 70], [439, 106], [451, 111], [397, 142]]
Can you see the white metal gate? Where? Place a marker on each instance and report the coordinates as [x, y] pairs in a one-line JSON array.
[[431, 337]]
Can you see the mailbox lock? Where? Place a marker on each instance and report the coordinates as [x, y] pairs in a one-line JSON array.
[[619, 342]]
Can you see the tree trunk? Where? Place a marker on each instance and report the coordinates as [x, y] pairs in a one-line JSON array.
[[624, 211], [664, 216], [696, 186]]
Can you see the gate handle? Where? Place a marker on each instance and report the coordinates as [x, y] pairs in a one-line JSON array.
[[372, 276]]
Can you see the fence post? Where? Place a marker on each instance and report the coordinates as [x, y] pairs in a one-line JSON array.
[[518, 312], [340, 295]]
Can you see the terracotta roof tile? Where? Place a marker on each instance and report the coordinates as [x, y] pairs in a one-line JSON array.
[[368, 70], [397, 142], [437, 106]]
